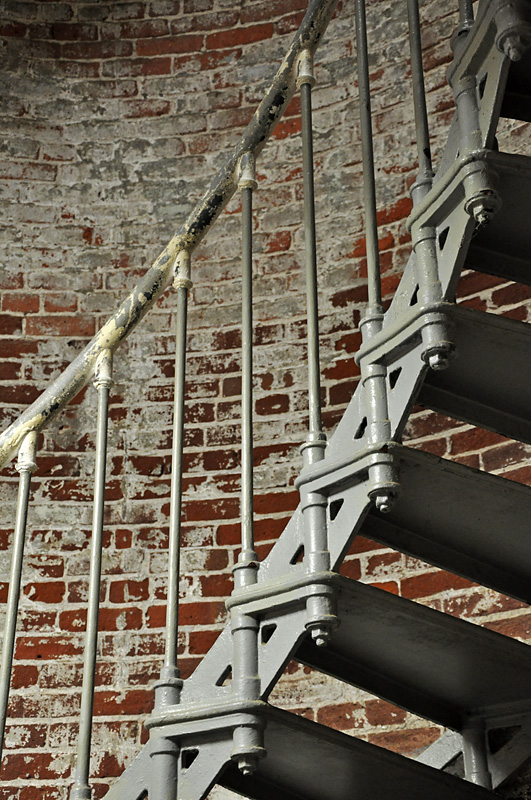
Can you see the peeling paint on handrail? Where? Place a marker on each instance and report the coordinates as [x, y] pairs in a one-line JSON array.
[[200, 220]]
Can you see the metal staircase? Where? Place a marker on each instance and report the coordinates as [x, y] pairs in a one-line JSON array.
[[217, 726]]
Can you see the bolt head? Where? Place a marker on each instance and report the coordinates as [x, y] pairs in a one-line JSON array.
[[247, 764], [321, 635], [438, 361], [384, 502], [514, 47]]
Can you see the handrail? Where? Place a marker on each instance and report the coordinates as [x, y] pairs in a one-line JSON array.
[[158, 277]]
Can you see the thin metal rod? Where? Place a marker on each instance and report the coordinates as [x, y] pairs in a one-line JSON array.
[[306, 81], [247, 372], [369, 188], [419, 93], [182, 285], [466, 13], [103, 381], [25, 466]]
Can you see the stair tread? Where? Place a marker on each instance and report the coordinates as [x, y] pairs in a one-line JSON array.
[[431, 663], [488, 384], [501, 247], [460, 519], [307, 760]]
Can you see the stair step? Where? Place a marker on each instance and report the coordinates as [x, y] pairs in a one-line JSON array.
[[307, 760], [488, 384], [461, 520], [430, 663], [517, 100], [502, 248]]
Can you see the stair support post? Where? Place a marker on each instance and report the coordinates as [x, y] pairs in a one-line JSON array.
[[248, 740], [26, 465], [102, 381], [437, 348], [475, 754], [382, 478], [481, 199], [165, 752]]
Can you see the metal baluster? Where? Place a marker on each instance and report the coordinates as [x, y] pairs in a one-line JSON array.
[[247, 739], [103, 382], [419, 98], [248, 557], [382, 475], [321, 618], [165, 751], [25, 467], [374, 309], [466, 13], [169, 687], [313, 449]]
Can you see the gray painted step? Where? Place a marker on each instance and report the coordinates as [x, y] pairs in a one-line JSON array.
[[462, 520], [502, 247], [488, 383], [430, 663], [306, 761]]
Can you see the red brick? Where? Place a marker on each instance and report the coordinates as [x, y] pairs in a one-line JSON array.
[[197, 510], [71, 32], [406, 742], [269, 9], [60, 325], [22, 394], [200, 642], [276, 502], [380, 712], [10, 324], [136, 67], [342, 716], [132, 702], [432, 583], [110, 619], [33, 766], [20, 302], [47, 647], [474, 439], [46, 592], [15, 29], [128, 591], [216, 585], [475, 282], [55, 302], [278, 242], [272, 404], [518, 627], [174, 44], [351, 568], [147, 108], [513, 293], [239, 36]]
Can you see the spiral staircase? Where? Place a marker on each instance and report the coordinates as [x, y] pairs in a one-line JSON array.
[[216, 727]]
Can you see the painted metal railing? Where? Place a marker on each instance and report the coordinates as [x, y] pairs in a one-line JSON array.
[[173, 264]]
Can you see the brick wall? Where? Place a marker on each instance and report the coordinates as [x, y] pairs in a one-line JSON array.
[[115, 117]]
